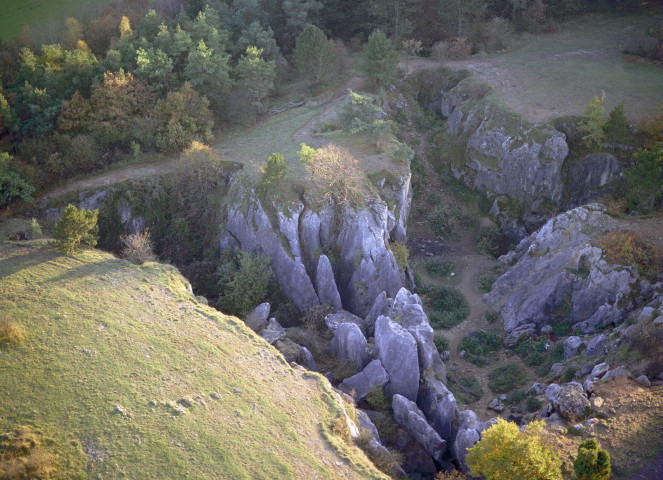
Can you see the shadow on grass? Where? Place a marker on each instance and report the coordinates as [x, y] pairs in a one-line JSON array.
[[87, 269], [23, 260]]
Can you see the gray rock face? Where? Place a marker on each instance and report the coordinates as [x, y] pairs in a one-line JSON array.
[[561, 271], [588, 177], [596, 345], [496, 405], [571, 402], [257, 319], [294, 352], [350, 344], [361, 384], [333, 320], [572, 346], [408, 310], [407, 414], [380, 307], [273, 331], [325, 284], [397, 351], [615, 373], [438, 404]]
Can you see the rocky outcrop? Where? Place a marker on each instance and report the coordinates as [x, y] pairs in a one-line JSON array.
[[397, 351], [325, 284], [362, 383], [407, 414], [349, 344], [560, 275], [273, 331], [438, 404], [334, 320], [570, 401], [257, 319], [588, 177], [407, 309]]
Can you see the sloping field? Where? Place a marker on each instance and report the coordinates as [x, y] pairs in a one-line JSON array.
[[126, 375]]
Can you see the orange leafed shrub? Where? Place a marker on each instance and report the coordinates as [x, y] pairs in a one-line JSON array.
[[629, 248]]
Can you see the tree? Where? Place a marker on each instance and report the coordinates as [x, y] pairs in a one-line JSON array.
[[208, 73], [645, 179], [380, 58], [360, 114], [289, 18], [313, 56], [244, 282], [616, 129], [506, 453], [14, 184], [256, 76], [273, 172], [155, 67], [592, 125], [392, 16], [262, 38], [592, 462], [460, 12], [125, 28], [73, 33], [75, 229]]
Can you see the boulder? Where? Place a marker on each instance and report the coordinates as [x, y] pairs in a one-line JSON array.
[[438, 404], [408, 311], [571, 402], [468, 419], [397, 351], [556, 369], [325, 284], [366, 424], [615, 373], [380, 307], [496, 405], [596, 345], [599, 370], [644, 381], [333, 320], [572, 346], [294, 352], [373, 375], [465, 439], [257, 319], [273, 331], [350, 344], [407, 414]]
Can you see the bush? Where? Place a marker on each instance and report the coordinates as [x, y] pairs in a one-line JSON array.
[[378, 400], [137, 247], [440, 270], [35, 229], [10, 333], [507, 453], [491, 316], [479, 345], [459, 49], [401, 254], [445, 222], [644, 180], [273, 173], [592, 462], [245, 282], [629, 248], [647, 341], [441, 343], [506, 378], [450, 307], [643, 44], [592, 125], [487, 241], [360, 114], [76, 229], [379, 58], [569, 374], [22, 456], [14, 184], [324, 165], [616, 129], [467, 390], [486, 282], [404, 153], [532, 404]]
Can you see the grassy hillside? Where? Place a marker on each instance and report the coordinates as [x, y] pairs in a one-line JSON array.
[[126, 375], [39, 12]]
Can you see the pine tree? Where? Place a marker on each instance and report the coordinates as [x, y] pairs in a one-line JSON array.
[[592, 462], [380, 58], [255, 75], [313, 56], [75, 229]]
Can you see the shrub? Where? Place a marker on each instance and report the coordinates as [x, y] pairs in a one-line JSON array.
[[441, 343], [532, 404], [379, 58], [479, 345], [340, 429], [592, 125], [569, 373], [616, 128], [644, 180], [378, 400], [486, 282], [592, 462], [22, 456], [628, 248], [245, 280], [506, 378], [35, 229], [647, 340], [466, 389], [450, 307], [445, 222], [324, 165], [14, 184], [75, 229], [273, 173], [651, 127], [507, 453], [644, 45], [491, 316], [458, 49], [10, 333], [451, 475], [401, 254], [514, 397], [403, 153], [360, 114], [137, 247], [438, 269], [487, 241]]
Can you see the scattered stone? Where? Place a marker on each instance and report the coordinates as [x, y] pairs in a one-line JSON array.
[[407, 414], [121, 410], [374, 375], [615, 373], [215, 396], [257, 319], [596, 403], [599, 370], [496, 405], [556, 369], [273, 332], [596, 345], [591, 422], [572, 346], [644, 381]]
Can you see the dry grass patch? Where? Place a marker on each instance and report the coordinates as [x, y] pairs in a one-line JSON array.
[[10, 333]]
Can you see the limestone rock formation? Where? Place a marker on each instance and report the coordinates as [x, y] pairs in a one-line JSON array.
[[407, 414], [350, 344], [397, 351], [373, 375]]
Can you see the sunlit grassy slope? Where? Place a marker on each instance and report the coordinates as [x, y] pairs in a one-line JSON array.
[[129, 376]]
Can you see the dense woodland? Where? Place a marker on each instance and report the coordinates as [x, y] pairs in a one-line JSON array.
[[138, 76]]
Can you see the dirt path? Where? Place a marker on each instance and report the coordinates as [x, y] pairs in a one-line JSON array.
[[130, 172]]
